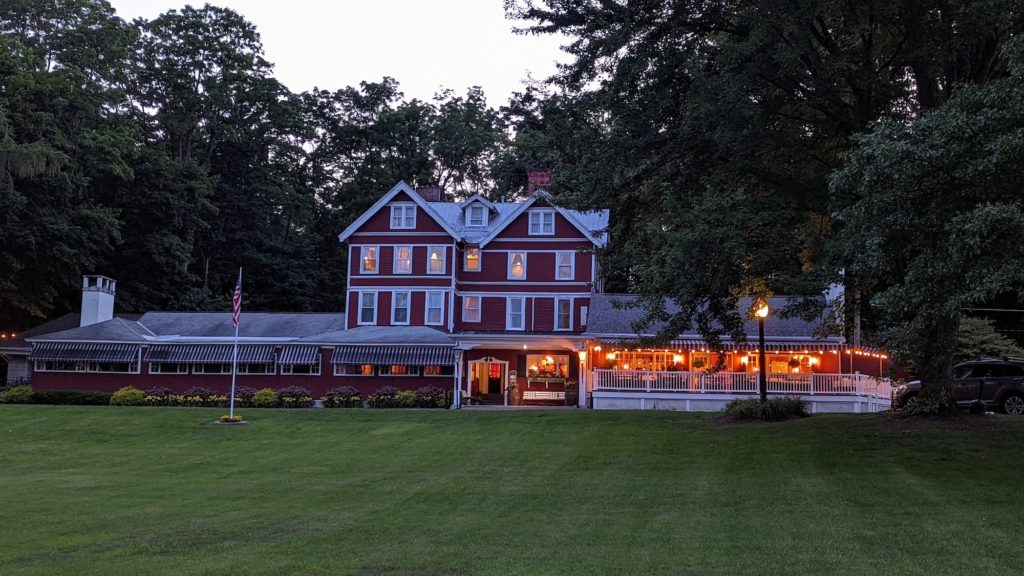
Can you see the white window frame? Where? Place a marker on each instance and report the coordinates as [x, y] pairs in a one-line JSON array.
[[289, 370], [556, 326], [483, 215], [479, 308], [538, 217], [427, 307], [160, 371], [362, 259], [385, 370], [583, 315], [479, 260], [404, 222], [342, 370], [200, 368], [359, 310], [522, 313], [443, 250], [572, 265], [510, 257], [394, 307], [394, 265], [244, 368]]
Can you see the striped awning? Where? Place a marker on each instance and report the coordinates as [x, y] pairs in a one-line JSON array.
[[398, 355], [84, 351], [727, 346], [210, 353], [304, 355]]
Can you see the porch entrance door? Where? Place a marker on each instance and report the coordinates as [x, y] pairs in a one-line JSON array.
[[487, 377]]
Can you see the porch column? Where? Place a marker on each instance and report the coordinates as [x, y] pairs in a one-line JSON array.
[[581, 389], [456, 396]]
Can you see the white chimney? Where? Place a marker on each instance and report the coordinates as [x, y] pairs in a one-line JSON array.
[[97, 299]]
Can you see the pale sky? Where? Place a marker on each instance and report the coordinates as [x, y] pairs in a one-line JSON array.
[[424, 45]]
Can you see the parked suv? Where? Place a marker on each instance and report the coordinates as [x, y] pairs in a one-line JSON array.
[[998, 383]]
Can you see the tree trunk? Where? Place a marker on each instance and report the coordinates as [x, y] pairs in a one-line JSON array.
[[934, 363]]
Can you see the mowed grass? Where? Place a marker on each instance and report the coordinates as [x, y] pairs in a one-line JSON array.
[[97, 490]]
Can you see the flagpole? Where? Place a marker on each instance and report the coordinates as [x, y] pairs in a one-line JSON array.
[[234, 355]]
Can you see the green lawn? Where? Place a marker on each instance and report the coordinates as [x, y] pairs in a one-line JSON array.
[[97, 490]]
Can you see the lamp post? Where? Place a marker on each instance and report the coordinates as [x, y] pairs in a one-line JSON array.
[[762, 373]]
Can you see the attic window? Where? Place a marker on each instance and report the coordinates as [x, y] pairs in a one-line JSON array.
[[476, 216], [403, 216]]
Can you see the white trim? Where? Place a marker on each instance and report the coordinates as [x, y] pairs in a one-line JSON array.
[[362, 258], [572, 264], [540, 213], [395, 190], [479, 309], [509, 262], [389, 234], [524, 283], [394, 259], [402, 209], [572, 305], [479, 259], [484, 215], [394, 308], [508, 313], [402, 276], [359, 308], [597, 238], [444, 259], [426, 308], [523, 293], [478, 198], [487, 360]]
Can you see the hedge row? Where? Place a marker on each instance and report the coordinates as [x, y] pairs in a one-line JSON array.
[[245, 397]]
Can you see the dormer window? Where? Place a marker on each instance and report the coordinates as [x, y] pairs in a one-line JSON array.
[[542, 222], [403, 216], [476, 216]]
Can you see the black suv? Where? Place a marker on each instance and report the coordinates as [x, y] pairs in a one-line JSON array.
[[998, 383]]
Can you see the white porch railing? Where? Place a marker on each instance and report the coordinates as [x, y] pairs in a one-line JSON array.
[[742, 383]]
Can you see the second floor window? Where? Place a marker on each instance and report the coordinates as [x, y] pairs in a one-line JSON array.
[[563, 314], [400, 308], [368, 260], [517, 265], [542, 222], [515, 319], [471, 309], [367, 307], [403, 259], [403, 216], [435, 308], [435, 260], [472, 260], [564, 265]]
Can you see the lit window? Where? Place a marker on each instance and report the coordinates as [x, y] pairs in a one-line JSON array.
[[565, 265], [542, 222], [398, 370], [517, 266], [563, 314], [403, 259], [439, 370], [403, 216], [353, 369], [400, 308], [367, 307], [435, 308], [472, 260], [368, 260], [435, 260], [514, 319], [471, 309], [476, 216]]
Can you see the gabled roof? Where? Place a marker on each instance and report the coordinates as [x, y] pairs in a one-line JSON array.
[[478, 198], [595, 235], [113, 330], [383, 335], [416, 198]]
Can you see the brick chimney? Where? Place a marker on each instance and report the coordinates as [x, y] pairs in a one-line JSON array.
[[97, 299], [430, 193], [537, 179]]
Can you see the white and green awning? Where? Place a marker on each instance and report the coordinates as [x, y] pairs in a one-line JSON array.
[[84, 352], [210, 353], [395, 355]]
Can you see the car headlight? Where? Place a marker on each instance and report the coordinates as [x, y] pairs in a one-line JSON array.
[[901, 387]]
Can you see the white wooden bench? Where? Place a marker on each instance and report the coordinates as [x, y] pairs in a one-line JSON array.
[[542, 395]]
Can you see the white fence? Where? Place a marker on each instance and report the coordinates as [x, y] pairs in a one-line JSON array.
[[874, 393]]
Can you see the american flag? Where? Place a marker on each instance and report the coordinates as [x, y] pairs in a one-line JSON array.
[[236, 301]]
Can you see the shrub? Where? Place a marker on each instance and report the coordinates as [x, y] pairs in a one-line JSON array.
[[17, 395], [265, 398], [295, 397], [342, 397], [160, 396], [128, 396], [243, 396], [778, 408], [384, 397], [71, 397], [227, 418], [430, 397], [405, 399], [199, 391]]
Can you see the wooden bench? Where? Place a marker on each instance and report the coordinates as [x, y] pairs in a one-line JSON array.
[[543, 395]]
